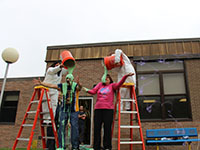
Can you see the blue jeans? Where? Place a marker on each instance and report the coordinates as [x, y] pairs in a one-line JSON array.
[[63, 120]]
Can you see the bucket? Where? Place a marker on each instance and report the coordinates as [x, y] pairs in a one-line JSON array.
[[109, 61], [67, 59]]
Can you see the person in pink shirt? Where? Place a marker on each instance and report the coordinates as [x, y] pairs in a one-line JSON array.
[[104, 108]]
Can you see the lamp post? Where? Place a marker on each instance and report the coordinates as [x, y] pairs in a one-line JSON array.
[[9, 55]]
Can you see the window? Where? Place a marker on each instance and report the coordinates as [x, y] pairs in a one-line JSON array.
[[162, 91], [9, 106]]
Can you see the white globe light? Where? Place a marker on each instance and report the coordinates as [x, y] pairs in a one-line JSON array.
[[10, 55]]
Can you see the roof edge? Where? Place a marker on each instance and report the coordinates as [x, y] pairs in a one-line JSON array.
[[122, 43]]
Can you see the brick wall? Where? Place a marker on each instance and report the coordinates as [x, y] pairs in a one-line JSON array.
[[8, 133]]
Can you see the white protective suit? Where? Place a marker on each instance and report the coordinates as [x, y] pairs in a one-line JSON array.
[[123, 70], [53, 78]]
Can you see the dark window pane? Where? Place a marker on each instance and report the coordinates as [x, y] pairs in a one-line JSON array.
[[10, 103], [8, 115], [149, 107], [9, 106], [176, 107]]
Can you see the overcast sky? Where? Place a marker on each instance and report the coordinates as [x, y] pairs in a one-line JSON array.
[[31, 25]]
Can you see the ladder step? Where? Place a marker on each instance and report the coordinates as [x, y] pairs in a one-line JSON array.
[[23, 139], [44, 112], [127, 127], [48, 137], [127, 100], [129, 112], [35, 101], [131, 142], [27, 125], [31, 112]]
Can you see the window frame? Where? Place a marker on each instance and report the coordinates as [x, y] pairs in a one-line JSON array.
[[160, 74], [91, 98], [8, 93]]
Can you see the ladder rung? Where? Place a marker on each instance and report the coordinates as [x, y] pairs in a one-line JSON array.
[[131, 142], [48, 137], [129, 112], [23, 139], [127, 127], [27, 125], [127, 100], [31, 112], [44, 112], [35, 101]]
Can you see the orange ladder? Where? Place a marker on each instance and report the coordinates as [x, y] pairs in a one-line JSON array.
[[39, 92], [133, 111]]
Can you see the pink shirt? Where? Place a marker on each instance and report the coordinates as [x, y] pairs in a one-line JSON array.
[[105, 94]]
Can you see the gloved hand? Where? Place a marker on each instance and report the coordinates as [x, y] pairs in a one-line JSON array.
[[86, 89]]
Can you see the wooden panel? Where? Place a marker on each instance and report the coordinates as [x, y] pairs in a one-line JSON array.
[[84, 53], [154, 49], [187, 47], [77, 53], [195, 47], [171, 49], [124, 48], [55, 55], [179, 48], [73, 52], [137, 50], [59, 52], [48, 56], [114, 47], [90, 52], [107, 50], [146, 49], [162, 48], [129, 50], [98, 52]]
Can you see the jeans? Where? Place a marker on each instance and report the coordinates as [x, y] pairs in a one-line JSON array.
[[63, 120]]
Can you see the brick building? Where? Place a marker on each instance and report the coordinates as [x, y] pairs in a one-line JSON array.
[[167, 85]]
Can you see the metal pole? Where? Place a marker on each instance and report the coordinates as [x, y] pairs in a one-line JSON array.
[[4, 83]]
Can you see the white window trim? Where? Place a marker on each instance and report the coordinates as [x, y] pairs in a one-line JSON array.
[[92, 113]]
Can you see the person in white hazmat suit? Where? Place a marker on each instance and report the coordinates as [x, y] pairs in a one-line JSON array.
[[54, 76], [123, 70]]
